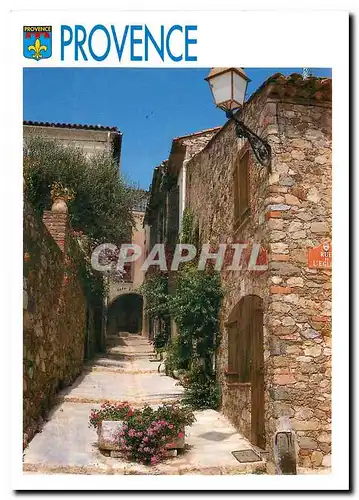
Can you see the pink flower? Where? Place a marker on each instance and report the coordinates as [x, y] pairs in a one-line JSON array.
[[154, 460], [145, 439], [170, 426], [132, 433], [180, 435]]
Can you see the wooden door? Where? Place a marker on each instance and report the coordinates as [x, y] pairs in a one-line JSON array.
[[255, 312]]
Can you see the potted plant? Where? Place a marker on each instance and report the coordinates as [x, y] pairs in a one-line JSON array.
[[142, 435], [179, 416], [110, 412], [60, 196]]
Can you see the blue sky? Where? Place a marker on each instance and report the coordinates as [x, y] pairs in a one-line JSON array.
[[149, 106]]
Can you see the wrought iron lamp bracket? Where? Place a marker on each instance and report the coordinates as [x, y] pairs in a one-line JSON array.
[[260, 147]]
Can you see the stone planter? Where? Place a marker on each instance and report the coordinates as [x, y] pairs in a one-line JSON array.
[[178, 443], [107, 432]]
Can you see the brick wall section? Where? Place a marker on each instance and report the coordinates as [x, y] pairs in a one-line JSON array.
[[54, 320], [57, 225], [290, 212]]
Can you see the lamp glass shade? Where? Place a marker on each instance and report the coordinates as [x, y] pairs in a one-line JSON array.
[[239, 88], [221, 88], [228, 87]]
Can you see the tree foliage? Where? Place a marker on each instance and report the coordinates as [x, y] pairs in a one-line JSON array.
[[102, 204]]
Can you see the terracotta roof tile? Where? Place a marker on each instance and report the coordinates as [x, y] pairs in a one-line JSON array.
[[205, 131], [70, 125]]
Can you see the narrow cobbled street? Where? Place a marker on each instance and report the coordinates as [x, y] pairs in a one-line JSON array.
[[129, 372]]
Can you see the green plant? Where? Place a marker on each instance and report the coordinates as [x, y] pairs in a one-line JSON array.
[[110, 411], [201, 391], [195, 308], [178, 355], [190, 229], [177, 414], [155, 291], [99, 200]]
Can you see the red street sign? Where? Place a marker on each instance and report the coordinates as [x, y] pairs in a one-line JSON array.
[[320, 257]]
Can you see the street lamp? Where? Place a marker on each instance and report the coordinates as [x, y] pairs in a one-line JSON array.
[[228, 87]]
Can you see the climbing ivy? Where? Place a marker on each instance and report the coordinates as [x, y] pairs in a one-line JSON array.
[[190, 229]]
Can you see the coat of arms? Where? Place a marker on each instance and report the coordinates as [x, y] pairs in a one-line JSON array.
[[37, 42]]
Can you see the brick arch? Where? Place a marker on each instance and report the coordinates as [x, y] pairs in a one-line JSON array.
[[125, 313]]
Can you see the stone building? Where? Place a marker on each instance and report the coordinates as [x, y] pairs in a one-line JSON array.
[[90, 138], [124, 303], [275, 354], [167, 201]]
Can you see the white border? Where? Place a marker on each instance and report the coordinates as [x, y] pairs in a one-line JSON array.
[[277, 39]]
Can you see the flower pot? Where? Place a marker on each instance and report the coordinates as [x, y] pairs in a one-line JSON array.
[[59, 205], [107, 433]]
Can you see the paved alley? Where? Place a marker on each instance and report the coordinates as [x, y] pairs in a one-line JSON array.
[[129, 372]]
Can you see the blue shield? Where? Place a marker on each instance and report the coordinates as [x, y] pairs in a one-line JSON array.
[[37, 42]]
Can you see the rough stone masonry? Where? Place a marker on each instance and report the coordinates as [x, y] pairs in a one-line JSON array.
[[290, 212], [54, 315]]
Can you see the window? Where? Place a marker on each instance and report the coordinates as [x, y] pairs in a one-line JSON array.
[[241, 189]]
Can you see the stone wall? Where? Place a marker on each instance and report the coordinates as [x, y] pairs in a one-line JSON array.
[[54, 317], [194, 143], [290, 211], [299, 218]]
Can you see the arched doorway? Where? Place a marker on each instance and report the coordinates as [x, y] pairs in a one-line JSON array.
[[125, 314], [246, 357]]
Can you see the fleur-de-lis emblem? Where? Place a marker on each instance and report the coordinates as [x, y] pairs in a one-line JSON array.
[[37, 48]]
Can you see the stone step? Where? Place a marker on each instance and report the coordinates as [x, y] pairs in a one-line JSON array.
[[138, 402], [114, 369], [164, 468]]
